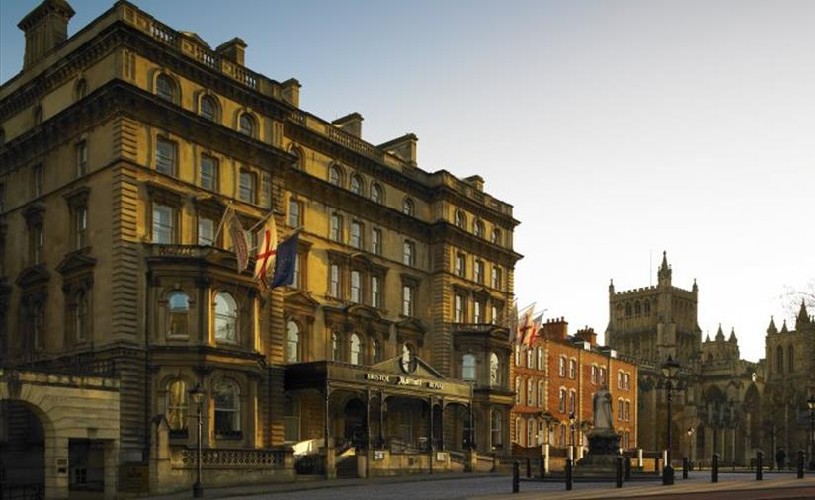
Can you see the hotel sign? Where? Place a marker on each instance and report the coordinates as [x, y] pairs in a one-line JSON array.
[[404, 380]]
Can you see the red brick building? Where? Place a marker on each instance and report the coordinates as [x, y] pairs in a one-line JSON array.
[[555, 379]]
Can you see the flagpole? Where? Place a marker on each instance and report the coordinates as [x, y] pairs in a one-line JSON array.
[[221, 223]]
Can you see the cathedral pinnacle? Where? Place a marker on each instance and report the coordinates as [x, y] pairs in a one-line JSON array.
[[720, 334], [732, 337], [803, 317], [784, 327], [664, 274], [772, 328]]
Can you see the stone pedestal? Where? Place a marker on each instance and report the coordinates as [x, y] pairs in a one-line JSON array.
[[604, 448]]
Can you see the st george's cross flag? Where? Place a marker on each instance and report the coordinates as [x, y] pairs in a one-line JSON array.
[[267, 250]]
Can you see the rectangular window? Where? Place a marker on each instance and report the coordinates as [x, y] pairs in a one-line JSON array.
[[602, 376], [572, 401], [209, 173], [295, 219], [163, 224], [81, 158], [80, 227], [297, 274], [356, 234], [477, 308], [562, 366], [561, 401], [496, 277], [356, 286], [461, 266], [376, 291], [334, 280], [37, 184], [593, 374], [246, 186], [37, 244], [619, 380], [494, 314], [572, 368], [336, 227], [206, 231], [459, 308], [409, 253], [478, 271], [376, 241], [165, 156], [530, 392], [407, 300]]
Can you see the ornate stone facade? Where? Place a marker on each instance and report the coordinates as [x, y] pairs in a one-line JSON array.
[[122, 147]]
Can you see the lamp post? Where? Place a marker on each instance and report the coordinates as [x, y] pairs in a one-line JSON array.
[[811, 406], [198, 394], [670, 369], [571, 433]]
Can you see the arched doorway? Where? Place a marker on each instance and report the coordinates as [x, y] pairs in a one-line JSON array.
[[22, 450]]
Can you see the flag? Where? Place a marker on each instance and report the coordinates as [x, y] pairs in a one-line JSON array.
[[524, 323], [284, 265], [534, 329], [239, 243], [267, 249]]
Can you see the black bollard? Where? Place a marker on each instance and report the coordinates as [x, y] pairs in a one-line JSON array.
[[516, 476], [759, 465], [543, 469], [568, 474], [685, 465], [619, 472], [528, 467], [714, 469], [800, 464], [627, 464]]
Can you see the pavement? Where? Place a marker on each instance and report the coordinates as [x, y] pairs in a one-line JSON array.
[[699, 486]]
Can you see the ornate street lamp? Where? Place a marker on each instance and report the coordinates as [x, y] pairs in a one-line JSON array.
[[690, 431], [198, 394], [811, 406], [571, 433], [670, 369]]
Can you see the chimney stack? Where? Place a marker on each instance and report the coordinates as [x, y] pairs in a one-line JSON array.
[[45, 28]]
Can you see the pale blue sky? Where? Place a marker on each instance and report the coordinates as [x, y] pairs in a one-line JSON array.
[[617, 129]]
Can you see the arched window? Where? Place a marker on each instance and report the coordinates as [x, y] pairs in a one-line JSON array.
[[468, 367], [356, 349], [495, 370], [227, 408], [540, 358], [779, 359], [496, 236], [519, 430], [790, 359], [178, 308], [335, 175], [478, 228], [628, 309], [530, 392], [177, 405], [81, 89], [408, 207], [226, 317], [356, 184], [646, 307], [496, 429], [209, 108], [637, 309], [166, 88], [540, 393], [292, 342], [461, 219], [247, 125], [531, 433], [377, 195]]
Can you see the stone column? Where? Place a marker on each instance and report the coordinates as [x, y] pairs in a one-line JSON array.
[[55, 468], [111, 469]]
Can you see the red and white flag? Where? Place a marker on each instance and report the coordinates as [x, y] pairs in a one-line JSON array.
[[266, 251]]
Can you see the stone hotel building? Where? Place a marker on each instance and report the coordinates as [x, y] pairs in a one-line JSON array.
[[121, 148]]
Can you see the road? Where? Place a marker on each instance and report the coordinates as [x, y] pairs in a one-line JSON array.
[[501, 486]]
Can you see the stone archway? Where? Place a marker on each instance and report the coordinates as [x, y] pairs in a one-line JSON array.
[[69, 409]]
